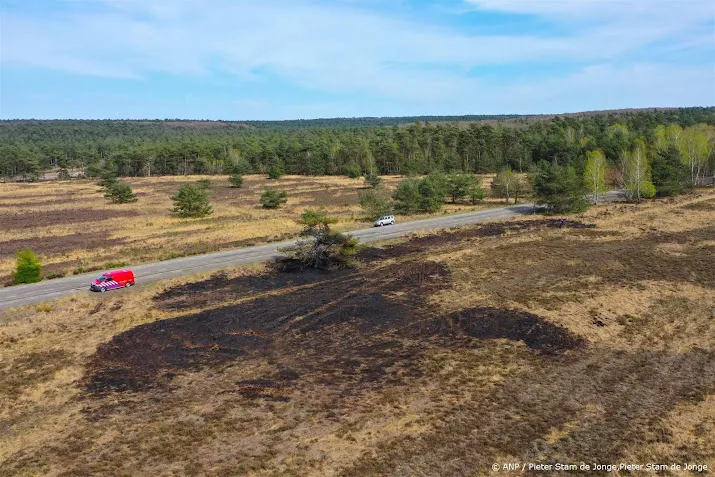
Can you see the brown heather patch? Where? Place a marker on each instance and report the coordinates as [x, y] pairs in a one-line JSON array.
[[28, 220], [13, 206], [54, 245], [558, 268], [704, 205], [30, 370], [36, 213], [685, 434], [630, 391], [437, 356]]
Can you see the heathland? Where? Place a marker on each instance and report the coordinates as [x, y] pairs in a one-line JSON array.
[[73, 229], [532, 340]]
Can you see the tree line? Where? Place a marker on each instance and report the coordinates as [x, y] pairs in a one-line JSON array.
[[136, 148]]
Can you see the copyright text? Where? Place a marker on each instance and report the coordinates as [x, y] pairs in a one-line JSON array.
[[623, 466]]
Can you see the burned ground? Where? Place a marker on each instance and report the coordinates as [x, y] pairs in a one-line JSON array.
[[423, 243], [336, 321], [531, 340]]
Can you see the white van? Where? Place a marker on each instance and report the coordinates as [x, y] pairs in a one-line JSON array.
[[384, 220]]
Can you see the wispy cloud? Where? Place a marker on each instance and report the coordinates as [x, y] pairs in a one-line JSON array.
[[347, 47]]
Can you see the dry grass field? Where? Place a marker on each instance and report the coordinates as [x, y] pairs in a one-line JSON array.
[[529, 340], [72, 227]]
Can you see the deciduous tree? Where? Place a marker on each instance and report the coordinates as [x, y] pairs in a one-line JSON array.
[[503, 183], [594, 175], [27, 267], [637, 173], [694, 151]]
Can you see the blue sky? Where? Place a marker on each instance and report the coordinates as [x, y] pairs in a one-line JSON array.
[[286, 59]]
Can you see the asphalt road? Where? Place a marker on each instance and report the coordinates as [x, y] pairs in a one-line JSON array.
[[51, 289]]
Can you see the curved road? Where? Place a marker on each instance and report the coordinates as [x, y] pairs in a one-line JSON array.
[[51, 289]]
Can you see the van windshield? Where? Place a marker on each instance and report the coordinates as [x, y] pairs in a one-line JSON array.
[[101, 278]]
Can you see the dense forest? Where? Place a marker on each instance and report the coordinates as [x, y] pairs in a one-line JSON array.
[[335, 146]]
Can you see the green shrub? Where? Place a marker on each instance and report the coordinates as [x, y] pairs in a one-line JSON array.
[[64, 175], [115, 265], [272, 199], [353, 171], [236, 180], [420, 195], [120, 193], [375, 204], [275, 172], [27, 267], [191, 201], [204, 183], [476, 192], [373, 180], [321, 247]]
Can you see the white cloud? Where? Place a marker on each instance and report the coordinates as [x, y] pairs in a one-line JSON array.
[[606, 87], [341, 47], [630, 10]]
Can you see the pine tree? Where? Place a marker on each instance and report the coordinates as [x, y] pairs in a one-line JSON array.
[[107, 179], [120, 193], [670, 174], [191, 201], [476, 192], [559, 188], [275, 172], [375, 204], [236, 180], [373, 180], [407, 196], [272, 199], [459, 185], [320, 247]]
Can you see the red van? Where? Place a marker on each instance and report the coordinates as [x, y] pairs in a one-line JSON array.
[[113, 280]]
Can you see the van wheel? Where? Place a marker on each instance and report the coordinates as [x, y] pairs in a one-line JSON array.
[[128, 284], [102, 289]]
